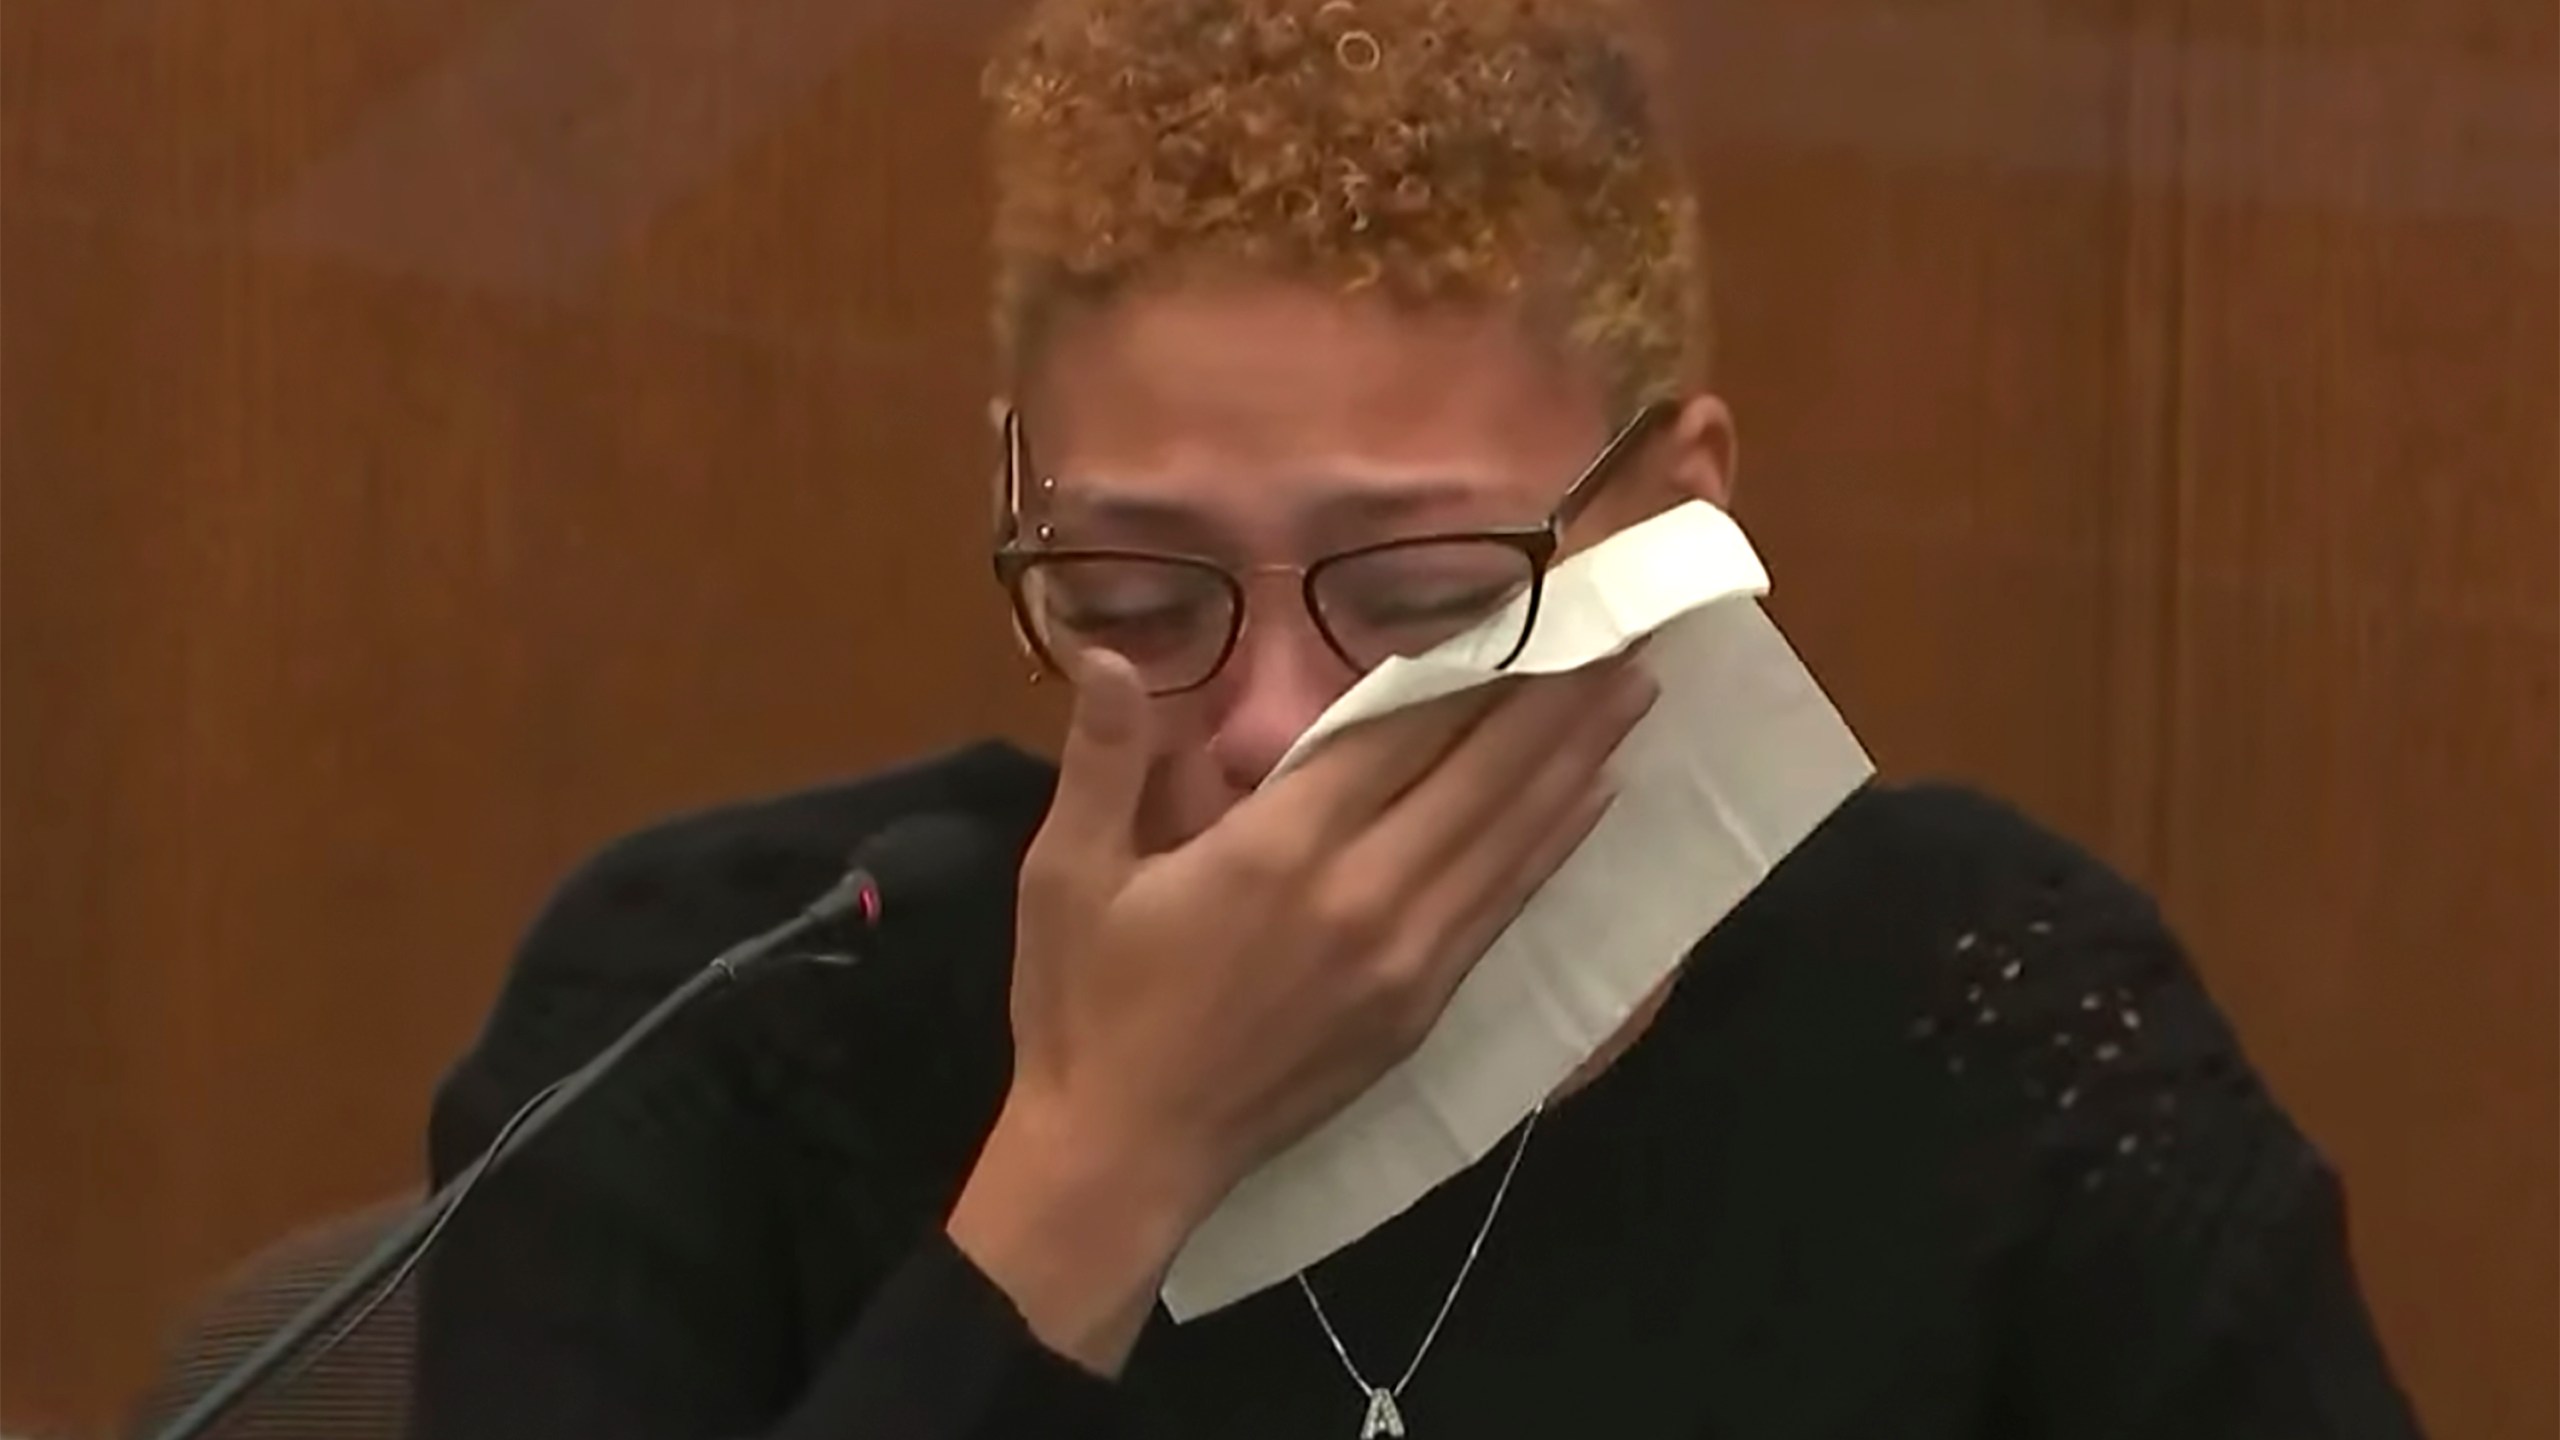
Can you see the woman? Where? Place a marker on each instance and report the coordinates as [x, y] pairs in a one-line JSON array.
[[1308, 312]]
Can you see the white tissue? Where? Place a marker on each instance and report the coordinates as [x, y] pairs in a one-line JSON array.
[[1741, 758]]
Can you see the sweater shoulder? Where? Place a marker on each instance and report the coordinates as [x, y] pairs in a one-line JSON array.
[[646, 910], [767, 855]]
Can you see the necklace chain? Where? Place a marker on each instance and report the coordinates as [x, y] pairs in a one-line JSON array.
[[1383, 1416]]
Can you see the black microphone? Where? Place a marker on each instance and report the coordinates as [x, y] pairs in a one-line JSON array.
[[907, 862], [916, 860]]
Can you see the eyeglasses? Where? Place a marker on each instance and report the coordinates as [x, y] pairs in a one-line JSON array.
[[1176, 618]]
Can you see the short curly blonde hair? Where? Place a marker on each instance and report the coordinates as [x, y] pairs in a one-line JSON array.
[[1434, 150]]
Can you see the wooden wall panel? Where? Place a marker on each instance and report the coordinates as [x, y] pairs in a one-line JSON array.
[[1920, 331], [438, 436], [2364, 553], [2180, 381], [427, 455]]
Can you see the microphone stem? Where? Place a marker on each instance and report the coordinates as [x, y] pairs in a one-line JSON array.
[[421, 1225]]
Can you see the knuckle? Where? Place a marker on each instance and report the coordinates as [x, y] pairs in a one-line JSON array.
[[1048, 876], [1353, 911], [1391, 999], [1377, 1017], [1402, 1013], [1262, 859]]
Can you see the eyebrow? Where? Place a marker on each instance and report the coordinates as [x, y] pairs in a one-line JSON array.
[[1338, 508]]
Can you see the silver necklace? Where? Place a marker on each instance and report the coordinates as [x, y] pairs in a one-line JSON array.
[[1384, 1418]]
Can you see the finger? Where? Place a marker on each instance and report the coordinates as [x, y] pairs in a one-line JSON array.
[[1102, 771], [1561, 734], [1450, 915], [1470, 920], [1347, 783], [1522, 829]]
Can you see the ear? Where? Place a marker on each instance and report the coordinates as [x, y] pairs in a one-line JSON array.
[[1702, 451]]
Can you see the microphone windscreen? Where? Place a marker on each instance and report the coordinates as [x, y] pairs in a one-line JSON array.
[[924, 857]]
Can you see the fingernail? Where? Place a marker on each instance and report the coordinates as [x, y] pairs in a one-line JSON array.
[[1634, 694], [1605, 795]]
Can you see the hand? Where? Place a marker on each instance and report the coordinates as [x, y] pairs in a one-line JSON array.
[[1179, 1018]]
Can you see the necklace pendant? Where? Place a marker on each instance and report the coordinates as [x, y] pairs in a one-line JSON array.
[[1384, 1419]]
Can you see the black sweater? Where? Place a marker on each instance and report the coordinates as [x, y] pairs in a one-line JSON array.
[[1936, 1136]]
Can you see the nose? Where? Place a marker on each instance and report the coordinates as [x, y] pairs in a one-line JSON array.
[[1280, 678]]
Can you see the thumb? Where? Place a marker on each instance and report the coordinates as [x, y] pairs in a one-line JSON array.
[[1102, 772]]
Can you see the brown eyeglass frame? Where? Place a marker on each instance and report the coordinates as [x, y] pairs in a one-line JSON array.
[[1015, 558]]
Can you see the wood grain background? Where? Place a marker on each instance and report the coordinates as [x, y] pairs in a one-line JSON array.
[[441, 434]]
